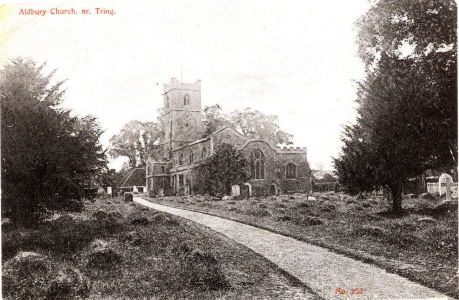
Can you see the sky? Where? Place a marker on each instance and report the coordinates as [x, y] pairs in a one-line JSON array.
[[294, 59]]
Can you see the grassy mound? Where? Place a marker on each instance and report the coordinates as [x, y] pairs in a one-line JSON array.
[[200, 269], [101, 255], [164, 219], [32, 275]]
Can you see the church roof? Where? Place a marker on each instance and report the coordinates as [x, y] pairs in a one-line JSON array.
[[135, 177], [207, 137], [226, 127]]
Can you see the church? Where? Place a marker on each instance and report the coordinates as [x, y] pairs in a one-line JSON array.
[[170, 171]]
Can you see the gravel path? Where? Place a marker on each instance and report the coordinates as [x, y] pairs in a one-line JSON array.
[[330, 275]]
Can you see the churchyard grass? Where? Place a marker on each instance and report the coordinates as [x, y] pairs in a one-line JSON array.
[[420, 244], [122, 250]]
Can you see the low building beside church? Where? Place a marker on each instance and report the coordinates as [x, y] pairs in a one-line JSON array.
[[170, 171]]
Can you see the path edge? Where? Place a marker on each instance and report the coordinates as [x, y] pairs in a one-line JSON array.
[[329, 247], [283, 272]]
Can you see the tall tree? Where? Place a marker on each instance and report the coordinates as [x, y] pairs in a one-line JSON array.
[[213, 119], [408, 102], [422, 29], [136, 141], [354, 166], [253, 123], [224, 169], [424, 34], [47, 155]]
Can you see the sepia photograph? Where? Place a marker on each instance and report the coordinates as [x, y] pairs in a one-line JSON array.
[[197, 149]]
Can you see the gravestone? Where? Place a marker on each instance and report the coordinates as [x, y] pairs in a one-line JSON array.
[[444, 185], [128, 197], [272, 190], [109, 190], [245, 192], [235, 190]]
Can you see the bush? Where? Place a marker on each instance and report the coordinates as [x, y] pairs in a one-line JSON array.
[[58, 152], [31, 275], [216, 176]]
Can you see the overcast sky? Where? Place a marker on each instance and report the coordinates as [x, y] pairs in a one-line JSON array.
[[294, 59]]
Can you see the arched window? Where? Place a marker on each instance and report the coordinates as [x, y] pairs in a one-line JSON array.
[[162, 169], [290, 170], [186, 100], [257, 164], [180, 160], [203, 153], [191, 157]]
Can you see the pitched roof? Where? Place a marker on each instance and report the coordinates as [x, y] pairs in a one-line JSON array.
[[135, 177], [226, 127], [208, 137]]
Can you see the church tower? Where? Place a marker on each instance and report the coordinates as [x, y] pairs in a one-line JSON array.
[[182, 119]]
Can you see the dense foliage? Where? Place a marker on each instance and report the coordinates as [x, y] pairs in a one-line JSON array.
[[251, 123], [48, 156], [136, 141], [225, 168], [407, 115]]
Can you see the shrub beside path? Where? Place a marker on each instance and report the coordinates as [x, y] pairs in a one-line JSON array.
[[330, 275]]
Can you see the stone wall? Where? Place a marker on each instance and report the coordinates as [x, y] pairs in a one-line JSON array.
[[157, 177], [159, 186], [227, 136], [182, 118], [275, 170], [196, 149]]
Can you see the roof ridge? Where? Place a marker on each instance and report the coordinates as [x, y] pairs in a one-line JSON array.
[[127, 177]]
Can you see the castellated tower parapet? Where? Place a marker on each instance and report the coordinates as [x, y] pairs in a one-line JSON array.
[[175, 83], [291, 149], [182, 119], [182, 96]]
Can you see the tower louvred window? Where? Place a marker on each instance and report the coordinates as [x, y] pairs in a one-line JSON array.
[[186, 100]]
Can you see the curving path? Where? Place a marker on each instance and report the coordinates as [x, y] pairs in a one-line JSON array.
[[330, 275]]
